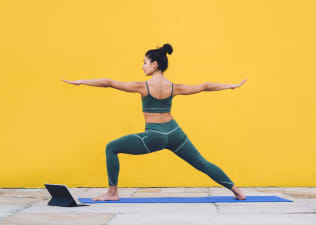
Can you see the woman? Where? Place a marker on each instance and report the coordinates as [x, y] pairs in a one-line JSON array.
[[161, 130]]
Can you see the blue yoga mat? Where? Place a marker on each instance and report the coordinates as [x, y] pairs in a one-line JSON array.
[[207, 199]]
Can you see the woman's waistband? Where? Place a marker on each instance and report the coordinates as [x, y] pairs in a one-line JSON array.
[[167, 126]]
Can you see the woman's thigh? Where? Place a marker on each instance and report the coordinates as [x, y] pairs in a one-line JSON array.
[[129, 144], [181, 145], [177, 139], [139, 143], [189, 153]]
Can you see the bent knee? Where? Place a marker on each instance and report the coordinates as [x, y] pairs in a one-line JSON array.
[[111, 147]]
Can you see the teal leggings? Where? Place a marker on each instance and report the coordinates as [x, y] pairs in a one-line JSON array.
[[158, 136]]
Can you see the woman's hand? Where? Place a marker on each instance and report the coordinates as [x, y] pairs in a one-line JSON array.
[[76, 82], [238, 85]]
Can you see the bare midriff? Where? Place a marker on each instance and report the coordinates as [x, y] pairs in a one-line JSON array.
[[157, 117]]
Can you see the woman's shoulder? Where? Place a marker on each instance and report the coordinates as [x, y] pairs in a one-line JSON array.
[[159, 82]]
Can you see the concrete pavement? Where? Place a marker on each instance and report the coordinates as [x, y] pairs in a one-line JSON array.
[[29, 207]]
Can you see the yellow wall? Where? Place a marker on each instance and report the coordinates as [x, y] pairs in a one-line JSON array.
[[262, 134]]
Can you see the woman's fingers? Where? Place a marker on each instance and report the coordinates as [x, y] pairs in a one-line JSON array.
[[243, 81], [67, 81], [238, 85], [72, 82]]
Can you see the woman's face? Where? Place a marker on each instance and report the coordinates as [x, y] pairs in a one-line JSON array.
[[149, 67]]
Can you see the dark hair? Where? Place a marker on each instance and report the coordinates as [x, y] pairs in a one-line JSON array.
[[160, 55]]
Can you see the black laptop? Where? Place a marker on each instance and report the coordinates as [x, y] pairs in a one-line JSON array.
[[61, 196]]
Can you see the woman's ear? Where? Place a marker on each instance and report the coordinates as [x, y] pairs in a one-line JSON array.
[[155, 64]]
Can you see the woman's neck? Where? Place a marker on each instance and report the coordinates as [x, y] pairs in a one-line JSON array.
[[157, 75]]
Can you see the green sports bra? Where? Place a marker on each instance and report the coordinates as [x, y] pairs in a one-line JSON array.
[[152, 104]]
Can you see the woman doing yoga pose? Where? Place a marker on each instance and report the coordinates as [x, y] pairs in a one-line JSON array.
[[161, 130]]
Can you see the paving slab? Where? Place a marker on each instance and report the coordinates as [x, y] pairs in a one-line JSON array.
[[19, 200], [270, 189], [262, 219], [192, 190], [263, 208], [7, 209], [195, 213], [178, 189], [311, 203], [300, 192], [23, 193], [189, 218], [57, 218], [148, 190]]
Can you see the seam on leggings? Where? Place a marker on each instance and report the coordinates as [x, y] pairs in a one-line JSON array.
[[164, 132], [111, 181], [226, 182], [143, 142], [181, 145]]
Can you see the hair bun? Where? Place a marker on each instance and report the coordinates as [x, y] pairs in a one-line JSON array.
[[166, 48]]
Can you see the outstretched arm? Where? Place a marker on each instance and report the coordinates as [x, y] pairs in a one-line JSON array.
[[183, 89], [133, 86], [93, 82], [217, 87]]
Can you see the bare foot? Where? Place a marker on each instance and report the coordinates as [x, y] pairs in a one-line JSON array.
[[107, 196], [238, 194]]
